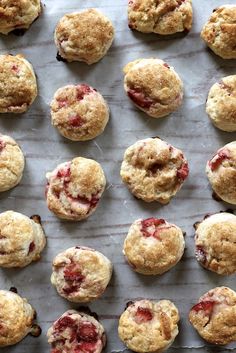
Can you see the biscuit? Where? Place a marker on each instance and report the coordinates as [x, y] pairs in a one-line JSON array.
[[81, 274], [214, 316], [76, 332], [16, 318], [154, 170], [74, 188], [221, 104], [153, 86], [79, 112], [12, 163], [149, 326], [22, 239], [219, 32], [84, 36], [20, 14], [18, 86], [161, 17], [221, 173], [215, 243], [153, 246]]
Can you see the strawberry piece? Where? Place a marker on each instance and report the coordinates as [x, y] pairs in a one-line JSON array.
[[201, 254], [83, 90], [72, 273], [183, 171], [143, 315], [87, 332], [151, 222], [216, 161], [206, 306], [63, 323], [166, 65], [139, 98], [31, 246], [2, 146], [63, 173], [76, 121], [85, 347], [62, 103]]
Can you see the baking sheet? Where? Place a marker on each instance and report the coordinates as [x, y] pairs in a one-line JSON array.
[[188, 129]]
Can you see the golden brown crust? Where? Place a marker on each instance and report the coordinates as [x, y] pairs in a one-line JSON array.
[[84, 36], [18, 86], [214, 316], [16, 318], [147, 326], [153, 86], [161, 17], [80, 113], [221, 104], [219, 32]]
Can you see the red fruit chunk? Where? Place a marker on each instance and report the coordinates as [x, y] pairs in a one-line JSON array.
[[31, 246], [55, 350], [143, 315], [83, 90], [149, 222], [2, 146], [70, 289], [206, 306], [72, 273], [63, 323], [85, 347], [139, 98], [166, 65], [76, 121], [201, 254], [62, 103], [87, 332], [63, 173], [183, 171], [216, 161]]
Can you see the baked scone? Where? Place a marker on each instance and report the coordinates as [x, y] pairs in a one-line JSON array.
[[221, 104], [153, 246], [153, 86], [221, 173], [16, 318], [76, 332], [79, 112], [22, 239], [20, 14], [219, 32], [215, 241], [214, 316], [81, 274], [148, 326], [161, 17], [12, 163], [74, 188], [84, 36], [18, 86], [154, 170]]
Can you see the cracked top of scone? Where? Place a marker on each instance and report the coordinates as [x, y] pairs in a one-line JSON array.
[[215, 241], [214, 316], [149, 326], [221, 104], [76, 332], [75, 188], [81, 274], [22, 239], [84, 36], [79, 112], [16, 318], [221, 172], [219, 32], [161, 17], [153, 86], [18, 86], [153, 246], [12, 163], [18, 14], [154, 170]]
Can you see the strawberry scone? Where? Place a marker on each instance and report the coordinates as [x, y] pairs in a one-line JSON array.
[[83, 36], [153, 86], [221, 104], [215, 241], [161, 17], [79, 112], [219, 32], [154, 170], [18, 15], [153, 246], [18, 86], [81, 274], [16, 318], [76, 332], [22, 239], [214, 316], [148, 326], [12, 163], [74, 188], [221, 172]]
